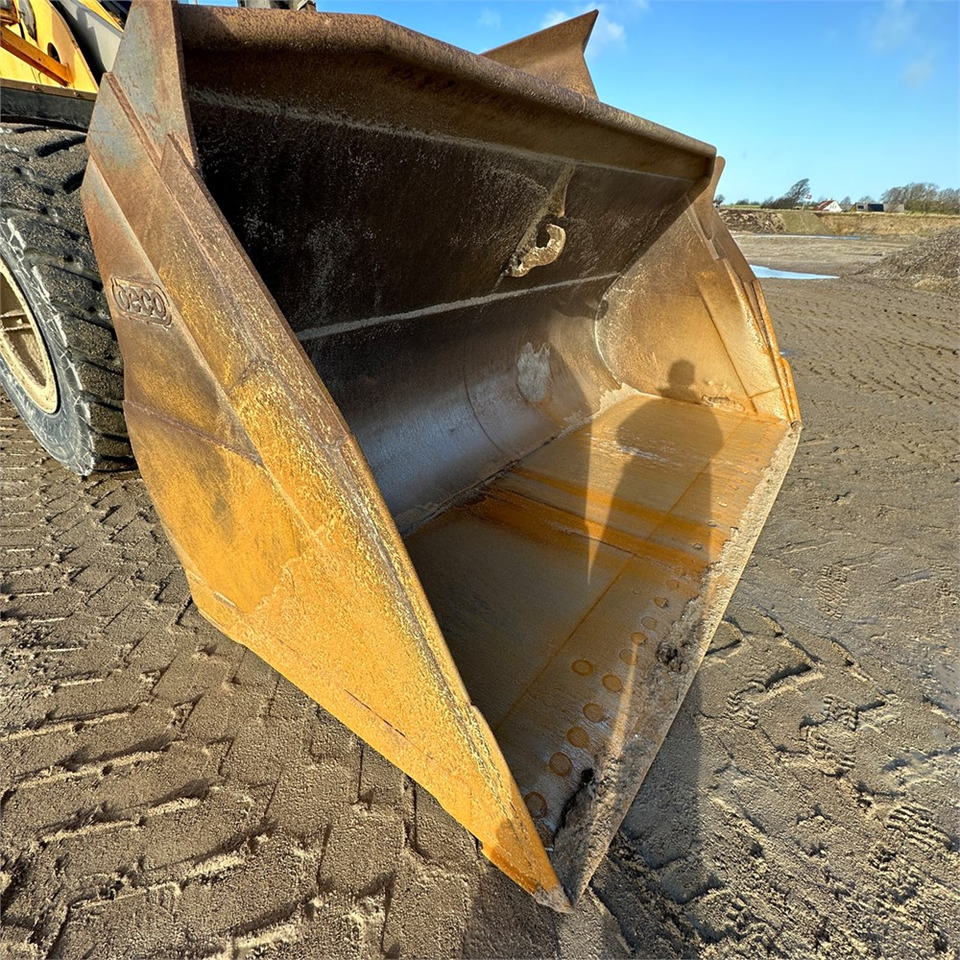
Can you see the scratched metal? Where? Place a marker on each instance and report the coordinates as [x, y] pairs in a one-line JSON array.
[[456, 399]]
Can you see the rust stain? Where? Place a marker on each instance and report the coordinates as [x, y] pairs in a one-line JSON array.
[[554, 523]]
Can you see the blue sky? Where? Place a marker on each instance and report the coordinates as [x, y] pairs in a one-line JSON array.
[[858, 96]]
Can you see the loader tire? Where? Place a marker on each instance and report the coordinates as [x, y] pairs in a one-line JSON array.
[[59, 359]]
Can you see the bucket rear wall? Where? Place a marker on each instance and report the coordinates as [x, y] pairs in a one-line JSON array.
[[387, 252]]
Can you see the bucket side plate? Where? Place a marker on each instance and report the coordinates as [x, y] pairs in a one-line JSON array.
[[266, 497]]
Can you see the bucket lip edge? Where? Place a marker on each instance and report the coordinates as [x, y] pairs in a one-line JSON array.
[[352, 34]]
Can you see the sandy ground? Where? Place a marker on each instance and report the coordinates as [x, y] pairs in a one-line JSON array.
[[836, 256], [165, 793]]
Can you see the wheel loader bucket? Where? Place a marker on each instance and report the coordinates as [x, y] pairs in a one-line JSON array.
[[458, 403]]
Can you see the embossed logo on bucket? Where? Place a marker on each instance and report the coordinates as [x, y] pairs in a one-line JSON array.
[[140, 299]]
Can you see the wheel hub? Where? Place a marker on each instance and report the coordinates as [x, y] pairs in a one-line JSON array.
[[22, 346]]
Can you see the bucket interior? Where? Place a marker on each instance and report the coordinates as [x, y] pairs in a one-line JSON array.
[[560, 519]]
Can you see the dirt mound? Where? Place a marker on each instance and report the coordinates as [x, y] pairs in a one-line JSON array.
[[931, 264], [752, 221]]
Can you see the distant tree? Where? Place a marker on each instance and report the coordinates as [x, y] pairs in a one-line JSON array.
[[866, 198], [895, 195], [745, 203], [924, 198], [948, 200], [792, 198], [928, 196], [799, 191], [718, 199], [918, 197], [846, 203]]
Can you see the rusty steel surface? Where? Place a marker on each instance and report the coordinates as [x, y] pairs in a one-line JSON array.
[[457, 401]]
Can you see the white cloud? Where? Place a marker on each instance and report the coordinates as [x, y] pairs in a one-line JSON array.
[[554, 17], [607, 32], [489, 18], [897, 32], [894, 26], [918, 72]]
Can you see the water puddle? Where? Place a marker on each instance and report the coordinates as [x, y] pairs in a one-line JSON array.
[[804, 236], [768, 273]]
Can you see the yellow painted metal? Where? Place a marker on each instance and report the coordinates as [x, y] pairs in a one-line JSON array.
[[470, 438], [52, 57], [35, 58]]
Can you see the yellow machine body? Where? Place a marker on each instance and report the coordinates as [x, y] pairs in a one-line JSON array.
[[37, 46]]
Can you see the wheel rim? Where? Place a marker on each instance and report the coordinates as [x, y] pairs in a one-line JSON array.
[[22, 346]]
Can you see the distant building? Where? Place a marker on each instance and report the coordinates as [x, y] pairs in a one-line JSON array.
[[880, 207], [829, 206]]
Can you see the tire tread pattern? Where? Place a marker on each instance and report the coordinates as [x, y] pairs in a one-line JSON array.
[[45, 243]]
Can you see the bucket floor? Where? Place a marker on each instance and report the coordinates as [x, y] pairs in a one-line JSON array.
[[558, 586]]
